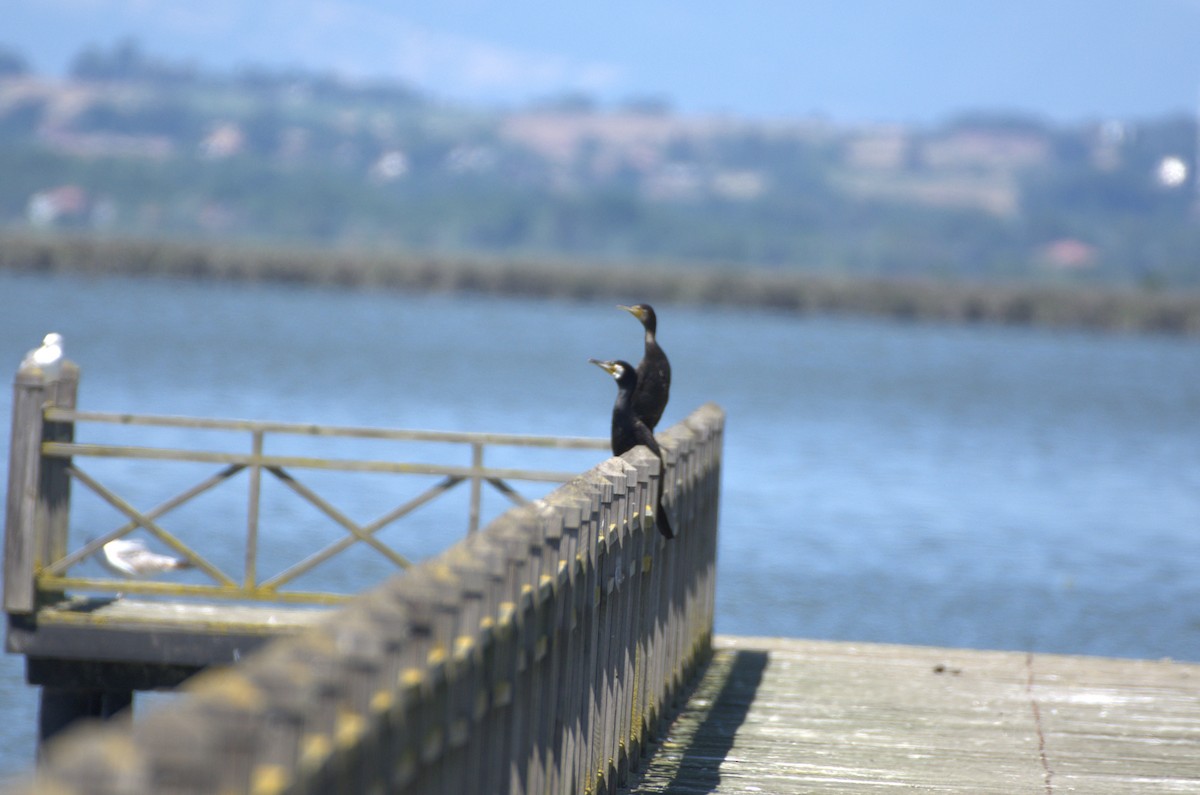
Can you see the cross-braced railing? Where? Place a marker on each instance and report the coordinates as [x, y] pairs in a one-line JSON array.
[[46, 460], [543, 654]]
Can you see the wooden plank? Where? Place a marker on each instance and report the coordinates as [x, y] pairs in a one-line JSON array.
[[128, 630], [783, 716], [36, 511], [197, 617], [24, 468], [105, 676], [54, 491]]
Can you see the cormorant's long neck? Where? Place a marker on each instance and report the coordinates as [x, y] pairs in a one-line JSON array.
[[624, 422], [624, 403]]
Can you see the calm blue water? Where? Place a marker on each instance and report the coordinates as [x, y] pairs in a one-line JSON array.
[[984, 487]]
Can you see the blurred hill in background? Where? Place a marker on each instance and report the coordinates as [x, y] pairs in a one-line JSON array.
[[132, 144]]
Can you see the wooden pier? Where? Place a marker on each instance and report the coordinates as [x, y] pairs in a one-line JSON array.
[[541, 653], [90, 642], [565, 647], [794, 716]]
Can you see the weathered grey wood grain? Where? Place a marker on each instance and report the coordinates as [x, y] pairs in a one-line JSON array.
[[24, 467], [782, 716], [35, 526]]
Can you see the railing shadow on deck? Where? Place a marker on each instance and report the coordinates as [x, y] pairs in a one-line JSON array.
[[703, 735], [541, 654]]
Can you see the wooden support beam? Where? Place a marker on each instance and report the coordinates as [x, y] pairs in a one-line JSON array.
[[59, 708], [37, 508]]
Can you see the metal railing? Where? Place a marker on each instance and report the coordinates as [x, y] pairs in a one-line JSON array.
[[44, 411]]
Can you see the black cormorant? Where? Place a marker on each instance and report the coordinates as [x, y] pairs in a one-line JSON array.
[[628, 430], [653, 372]]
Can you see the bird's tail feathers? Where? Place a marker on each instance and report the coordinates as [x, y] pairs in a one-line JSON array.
[[663, 523]]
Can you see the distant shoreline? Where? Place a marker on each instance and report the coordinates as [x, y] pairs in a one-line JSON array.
[[1101, 308]]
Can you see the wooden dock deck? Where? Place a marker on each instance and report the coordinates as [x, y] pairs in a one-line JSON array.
[[788, 716]]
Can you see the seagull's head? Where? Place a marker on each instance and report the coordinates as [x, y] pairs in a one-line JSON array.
[[53, 340]]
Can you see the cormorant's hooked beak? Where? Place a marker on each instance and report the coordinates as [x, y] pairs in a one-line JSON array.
[[608, 367], [636, 311]]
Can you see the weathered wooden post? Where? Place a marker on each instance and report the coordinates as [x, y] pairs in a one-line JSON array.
[[35, 530]]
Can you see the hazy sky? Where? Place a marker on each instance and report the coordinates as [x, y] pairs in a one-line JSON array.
[[849, 60]]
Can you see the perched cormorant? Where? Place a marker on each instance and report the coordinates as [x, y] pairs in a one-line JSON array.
[[628, 430], [653, 371]]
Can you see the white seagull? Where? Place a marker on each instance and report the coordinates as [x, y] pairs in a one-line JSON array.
[[49, 357], [130, 557]]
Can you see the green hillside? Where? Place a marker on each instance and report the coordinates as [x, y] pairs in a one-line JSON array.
[[133, 145]]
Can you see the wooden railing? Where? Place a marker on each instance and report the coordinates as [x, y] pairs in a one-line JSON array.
[[539, 655], [45, 461]]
